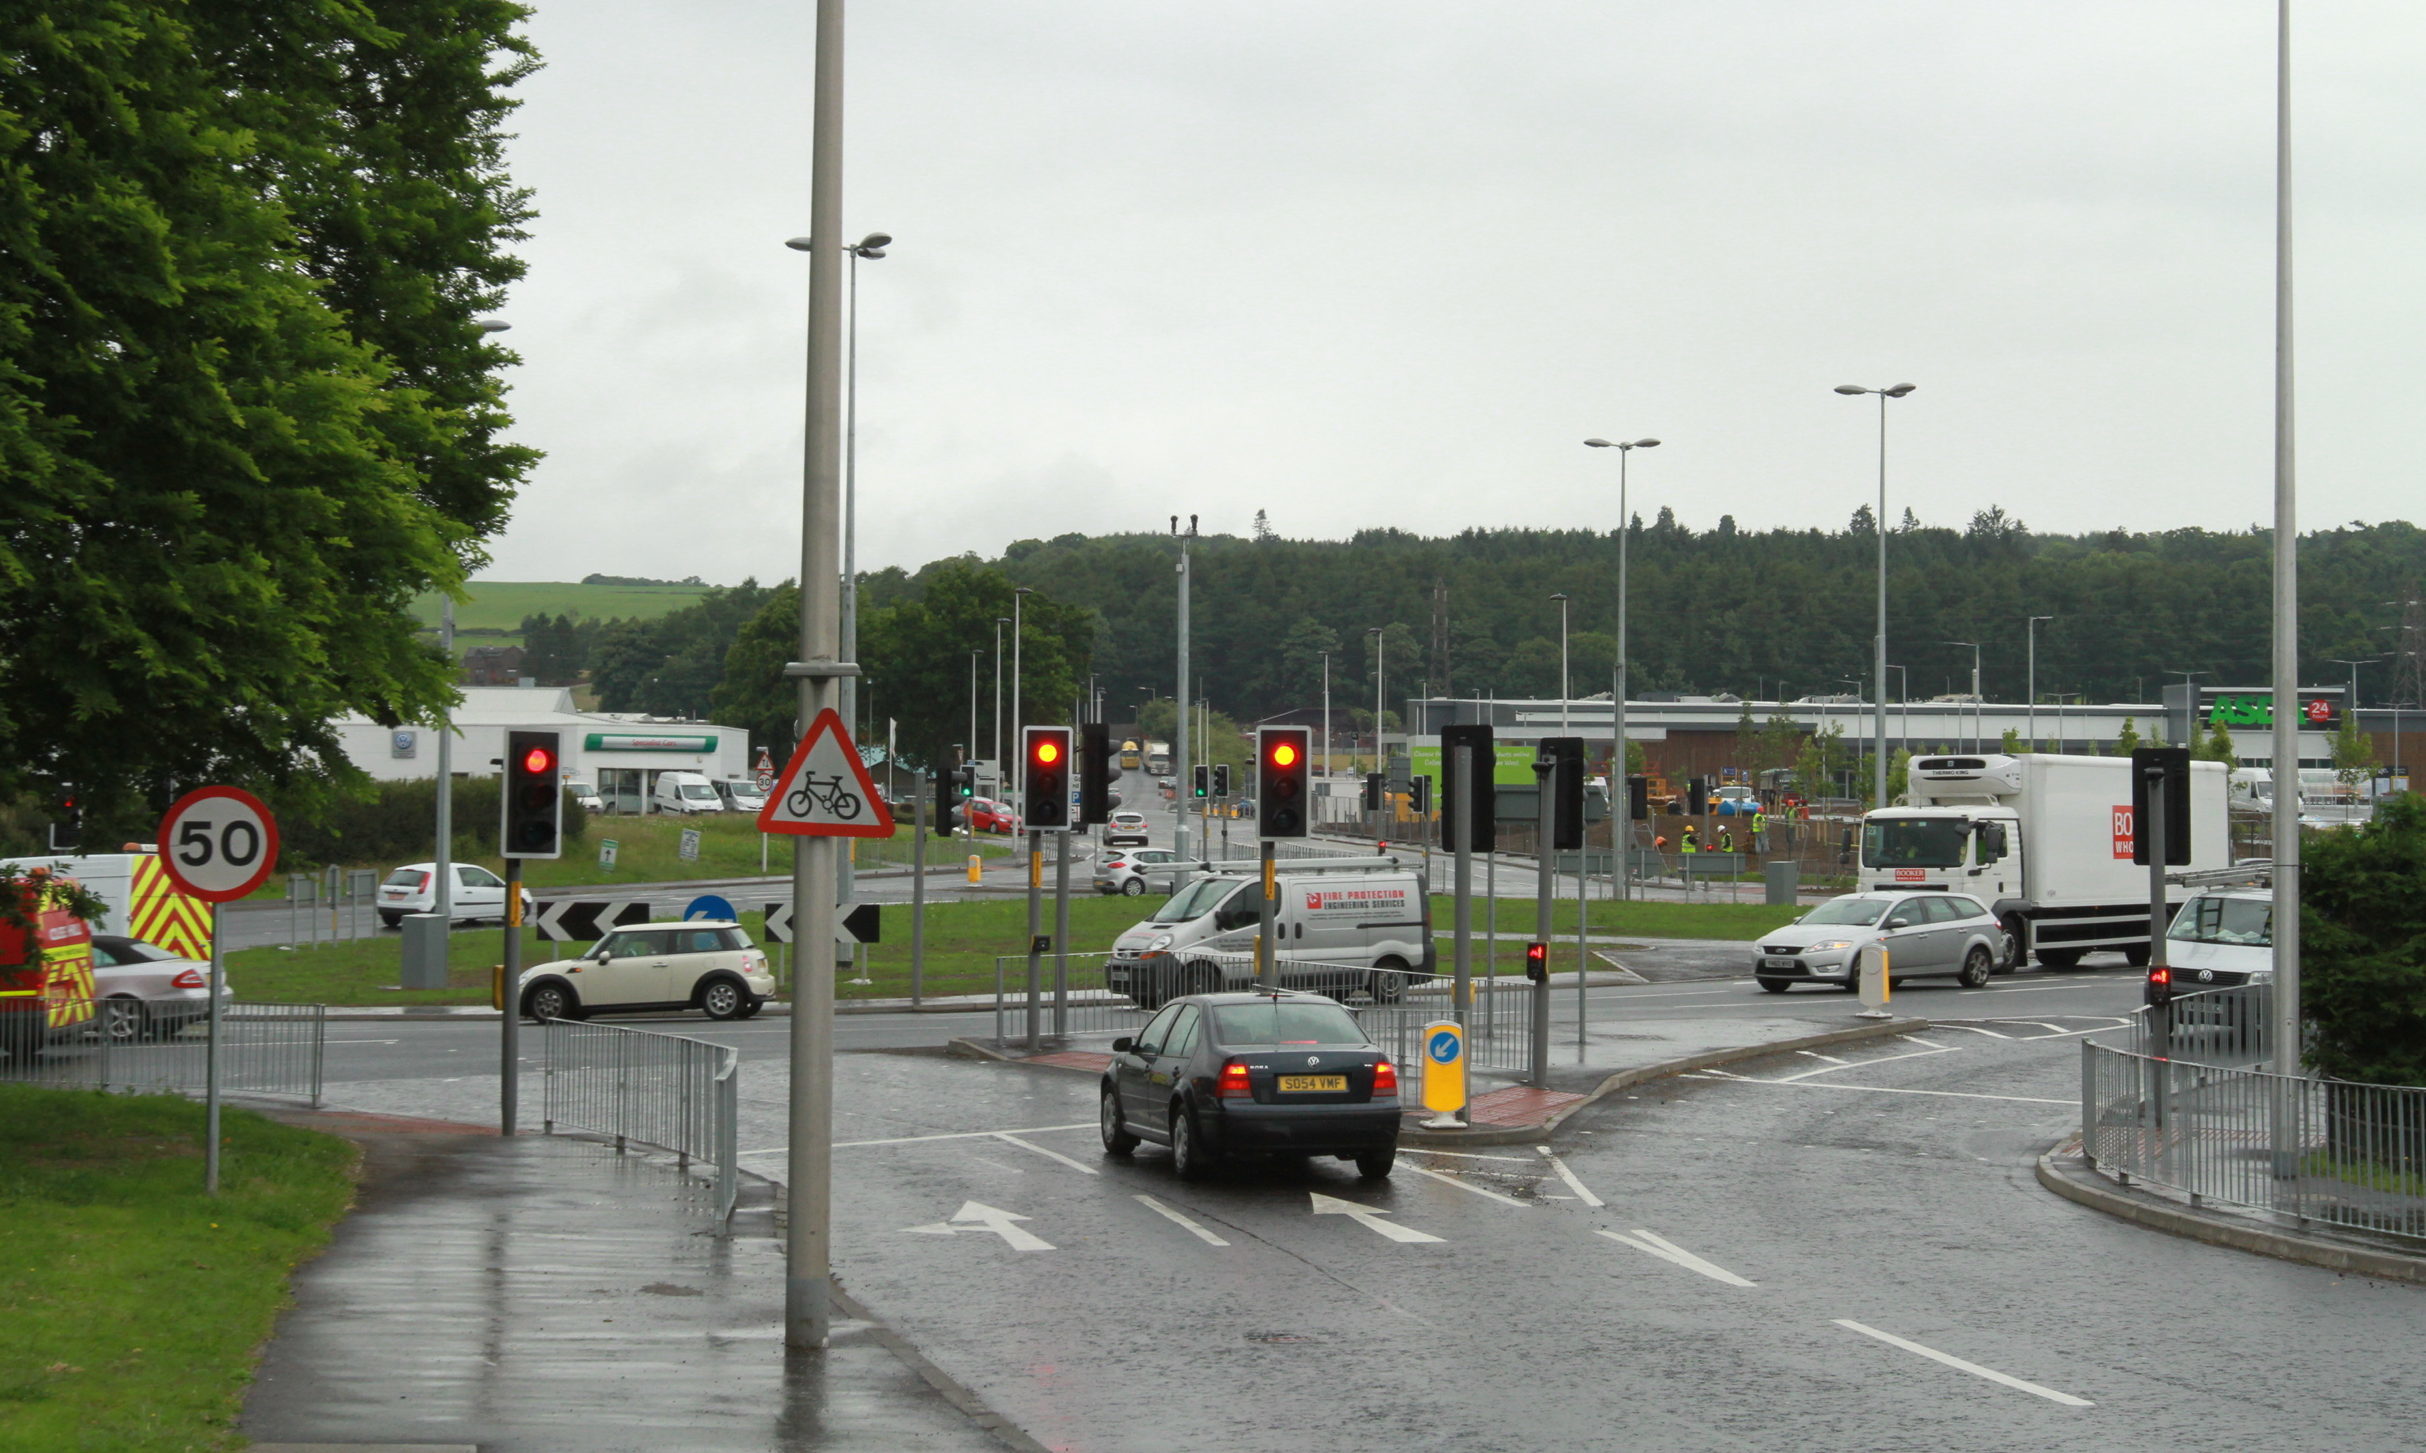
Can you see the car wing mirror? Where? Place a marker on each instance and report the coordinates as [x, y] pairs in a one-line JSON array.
[[1123, 1045], [605, 957], [1899, 923]]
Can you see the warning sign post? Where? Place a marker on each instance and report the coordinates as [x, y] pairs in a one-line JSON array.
[[825, 790]]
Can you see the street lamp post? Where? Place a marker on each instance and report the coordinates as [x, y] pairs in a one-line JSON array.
[[973, 655], [1180, 698], [1563, 690], [1979, 727], [1379, 642], [1879, 721], [999, 623], [1019, 598], [2033, 708], [1621, 789], [1326, 716]]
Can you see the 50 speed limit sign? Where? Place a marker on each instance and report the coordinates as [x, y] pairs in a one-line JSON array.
[[218, 843]]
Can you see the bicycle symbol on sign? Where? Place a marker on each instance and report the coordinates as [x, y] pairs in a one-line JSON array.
[[826, 792]]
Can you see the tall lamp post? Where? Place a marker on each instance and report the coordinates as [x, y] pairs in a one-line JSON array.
[[2033, 708], [1019, 597], [1563, 690], [444, 903], [1979, 728], [999, 623], [1379, 641], [1326, 716], [1621, 789], [1879, 655]]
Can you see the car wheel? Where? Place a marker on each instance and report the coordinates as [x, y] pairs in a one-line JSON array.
[[1853, 979], [1204, 979], [549, 1001], [721, 998], [1389, 982], [1188, 1154], [751, 1005], [1775, 986], [123, 1021], [1116, 1137], [391, 920], [2016, 936], [1978, 964], [1374, 1165], [1134, 888]]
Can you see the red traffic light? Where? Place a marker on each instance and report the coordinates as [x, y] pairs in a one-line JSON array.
[[1537, 962], [538, 760], [1048, 751], [1284, 754]]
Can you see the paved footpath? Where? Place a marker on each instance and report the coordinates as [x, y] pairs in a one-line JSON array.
[[535, 1293]]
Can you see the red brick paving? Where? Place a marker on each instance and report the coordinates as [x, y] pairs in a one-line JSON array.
[[1071, 1059], [1520, 1105]]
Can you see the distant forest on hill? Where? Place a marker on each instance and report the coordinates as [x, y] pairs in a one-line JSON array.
[[1780, 611]]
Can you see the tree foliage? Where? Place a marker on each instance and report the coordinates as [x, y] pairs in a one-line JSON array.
[[246, 409], [2363, 947]]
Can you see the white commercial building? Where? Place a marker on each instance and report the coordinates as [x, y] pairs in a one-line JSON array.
[[621, 755]]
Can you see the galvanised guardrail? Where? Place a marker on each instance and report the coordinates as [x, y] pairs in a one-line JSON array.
[[2306, 1149], [636, 1086], [264, 1049]]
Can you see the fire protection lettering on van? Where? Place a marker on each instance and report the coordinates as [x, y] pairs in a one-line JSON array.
[[1354, 900]]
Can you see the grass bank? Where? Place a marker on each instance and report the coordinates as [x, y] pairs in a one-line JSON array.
[[135, 1302]]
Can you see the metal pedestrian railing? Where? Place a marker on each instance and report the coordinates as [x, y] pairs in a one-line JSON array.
[[636, 1086], [264, 1049], [2311, 1150], [2213, 1026], [1104, 998]]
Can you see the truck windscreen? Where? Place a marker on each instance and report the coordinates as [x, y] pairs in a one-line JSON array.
[[1913, 842]]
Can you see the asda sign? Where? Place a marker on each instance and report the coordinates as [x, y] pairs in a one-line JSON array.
[[2254, 710]]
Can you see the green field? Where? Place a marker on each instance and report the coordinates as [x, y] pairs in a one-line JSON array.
[[497, 607], [137, 1304], [962, 942]]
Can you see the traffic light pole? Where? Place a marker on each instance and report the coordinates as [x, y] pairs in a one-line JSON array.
[[919, 807], [1036, 883], [1463, 886], [2161, 1016], [509, 1042], [1061, 936], [1267, 973], [1546, 805]]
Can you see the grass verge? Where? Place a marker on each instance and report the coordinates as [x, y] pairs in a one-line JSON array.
[[135, 1302]]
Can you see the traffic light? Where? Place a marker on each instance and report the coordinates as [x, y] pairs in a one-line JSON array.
[[1419, 796], [1469, 812], [1045, 782], [965, 784], [1203, 778], [1374, 782], [2165, 770], [1537, 962], [1094, 773], [940, 778], [533, 800], [1221, 779], [1565, 784], [1284, 770], [2159, 991], [67, 822]]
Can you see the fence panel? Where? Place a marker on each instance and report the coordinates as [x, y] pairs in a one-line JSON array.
[[264, 1049], [2310, 1149], [638, 1086]]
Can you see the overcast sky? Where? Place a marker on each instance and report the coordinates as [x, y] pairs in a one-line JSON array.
[[1361, 264]]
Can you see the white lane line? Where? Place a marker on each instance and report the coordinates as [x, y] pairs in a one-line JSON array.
[[1801, 1084], [1669, 1251], [1568, 1176], [1832, 1059], [1462, 1154], [922, 1139], [364, 1041], [1975, 1029], [1879, 1060], [1007, 1138], [1449, 1180], [1159, 1209], [1990, 1373]]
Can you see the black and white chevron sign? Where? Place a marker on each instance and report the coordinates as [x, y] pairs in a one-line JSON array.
[[575, 920], [861, 924]]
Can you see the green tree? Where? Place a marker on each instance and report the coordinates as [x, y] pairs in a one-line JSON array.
[[246, 411], [2216, 746], [2363, 947], [2353, 751], [1899, 774], [2127, 740], [2011, 743]]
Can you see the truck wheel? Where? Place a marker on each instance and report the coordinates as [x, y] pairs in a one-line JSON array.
[[2017, 941], [1977, 965], [2059, 958], [2136, 955]]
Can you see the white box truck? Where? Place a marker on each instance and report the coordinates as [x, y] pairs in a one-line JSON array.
[[2045, 841]]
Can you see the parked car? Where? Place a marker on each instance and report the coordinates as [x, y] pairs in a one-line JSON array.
[[986, 814], [740, 794], [1926, 935], [1125, 829], [684, 792], [478, 894], [703, 964], [1138, 871], [586, 793], [145, 990], [1217, 1075]]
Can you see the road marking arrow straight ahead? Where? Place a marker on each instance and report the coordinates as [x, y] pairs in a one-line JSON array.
[[976, 1216], [1367, 1216]]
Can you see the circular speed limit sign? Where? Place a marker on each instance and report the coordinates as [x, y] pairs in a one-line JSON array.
[[218, 843]]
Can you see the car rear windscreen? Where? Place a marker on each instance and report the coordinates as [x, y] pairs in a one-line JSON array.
[[1285, 1022]]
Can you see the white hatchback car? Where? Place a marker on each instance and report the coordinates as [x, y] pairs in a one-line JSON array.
[[1125, 830], [479, 894], [704, 964]]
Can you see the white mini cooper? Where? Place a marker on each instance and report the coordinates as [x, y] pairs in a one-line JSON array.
[[705, 964]]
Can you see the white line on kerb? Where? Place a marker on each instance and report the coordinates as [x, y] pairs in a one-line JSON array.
[[1478, 1190], [1878, 1060], [1801, 1084], [1666, 1250], [1832, 1059], [1990, 1373], [1160, 1209], [1568, 1176], [1007, 1138], [1462, 1154]]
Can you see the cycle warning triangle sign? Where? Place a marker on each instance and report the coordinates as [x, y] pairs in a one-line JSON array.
[[825, 790]]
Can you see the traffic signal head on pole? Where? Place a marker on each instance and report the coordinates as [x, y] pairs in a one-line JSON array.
[[1094, 773], [533, 799], [1537, 962], [965, 786], [1045, 779], [2159, 992], [1419, 796], [1203, 778], [1373, 790], [1284, 768], [1221, 779]]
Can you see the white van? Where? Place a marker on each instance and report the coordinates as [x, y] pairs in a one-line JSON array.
[[1332, 930], [685, 792], [2222, 938]]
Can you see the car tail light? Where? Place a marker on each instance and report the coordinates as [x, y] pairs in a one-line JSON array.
[[190, 979], [1385, 1077], [1232, 1085]]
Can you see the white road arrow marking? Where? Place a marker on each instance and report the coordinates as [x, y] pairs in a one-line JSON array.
[[1666, 1250], [1368, 1217], [976, 1216]]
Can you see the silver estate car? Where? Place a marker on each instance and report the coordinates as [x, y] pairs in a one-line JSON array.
[[1926, 935]]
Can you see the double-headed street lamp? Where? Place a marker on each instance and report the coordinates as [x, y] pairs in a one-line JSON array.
[[1894, 391], [1621, 792]]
